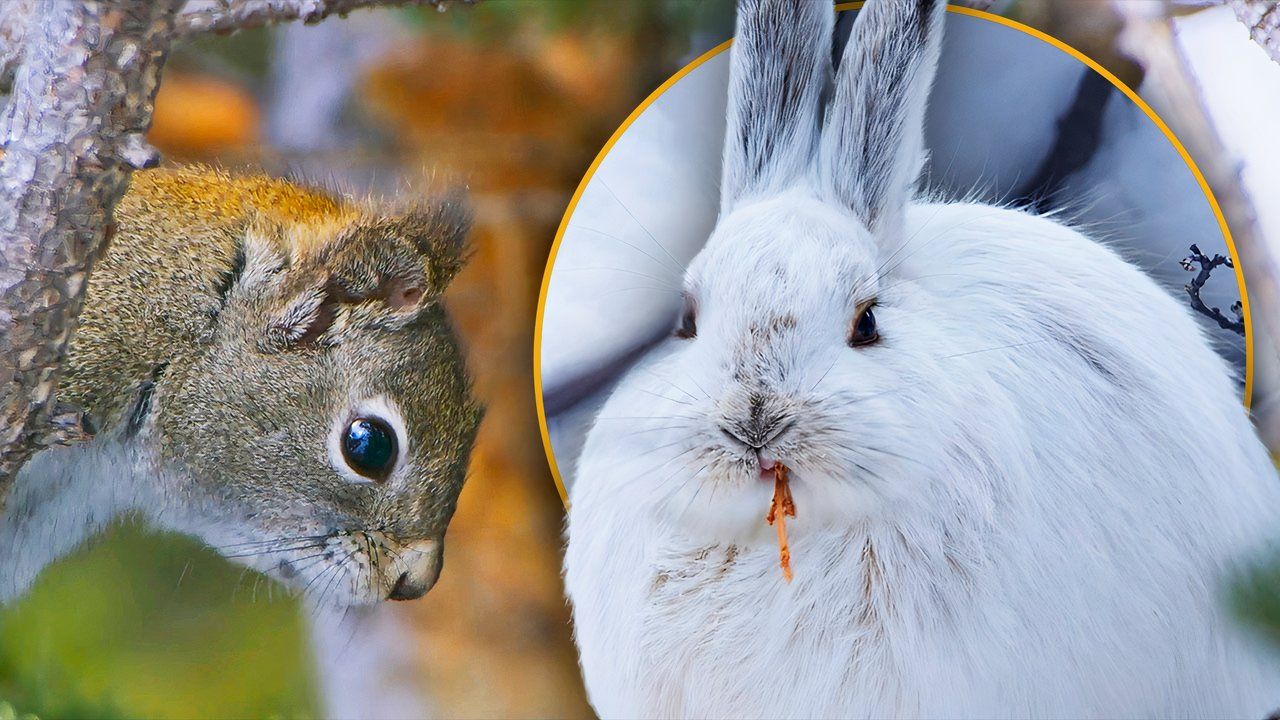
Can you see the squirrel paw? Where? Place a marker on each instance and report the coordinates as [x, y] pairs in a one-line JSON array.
[[68, 425]]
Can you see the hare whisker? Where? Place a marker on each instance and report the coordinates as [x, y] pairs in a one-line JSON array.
[[672, 383], [697, 492], [270, 541], [936, 236], [665, 428], [627, 210], [823, 377], [906, 242], [271, 551], [674, 266], [658, 487], [664, 397], [649, 417], [632, 288], [608, 268], [992, 349]]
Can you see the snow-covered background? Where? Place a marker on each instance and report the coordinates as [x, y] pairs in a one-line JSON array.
[[1011, 119]]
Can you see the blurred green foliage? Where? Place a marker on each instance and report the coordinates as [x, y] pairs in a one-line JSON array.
[[243, 56], [156, 626], [1255, 597]]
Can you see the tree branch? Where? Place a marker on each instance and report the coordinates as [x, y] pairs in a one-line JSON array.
[[73, 132], [227, 16], [1262, 17], [1206, 266]]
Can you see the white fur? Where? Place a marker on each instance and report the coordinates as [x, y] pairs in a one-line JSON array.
[[62, 497], [1025, 500]]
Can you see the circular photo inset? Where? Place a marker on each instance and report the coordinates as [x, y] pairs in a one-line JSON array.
[[877, 359], [1013, 120]]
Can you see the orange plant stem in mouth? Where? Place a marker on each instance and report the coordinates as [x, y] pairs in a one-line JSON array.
[[780, 508]]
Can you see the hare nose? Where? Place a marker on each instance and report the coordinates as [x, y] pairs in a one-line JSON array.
[[765, 420], [419, 564], [756, 433]]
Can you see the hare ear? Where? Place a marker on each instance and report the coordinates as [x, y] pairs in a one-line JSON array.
[[779, 67], [872, 147]]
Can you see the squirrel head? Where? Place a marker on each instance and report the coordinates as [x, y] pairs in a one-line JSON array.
[[324, 436]]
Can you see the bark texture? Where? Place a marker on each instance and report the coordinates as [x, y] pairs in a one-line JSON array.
[[73, 130], [14, 19]]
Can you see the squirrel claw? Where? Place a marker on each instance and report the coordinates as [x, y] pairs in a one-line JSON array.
[[68, 425]]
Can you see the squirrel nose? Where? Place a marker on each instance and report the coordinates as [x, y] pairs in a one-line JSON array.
[[419, 564]]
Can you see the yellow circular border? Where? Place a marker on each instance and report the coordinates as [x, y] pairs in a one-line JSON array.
[[595, 164]]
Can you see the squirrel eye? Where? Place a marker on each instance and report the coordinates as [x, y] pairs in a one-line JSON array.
[[369, 447], [864, 328], [688, 327]]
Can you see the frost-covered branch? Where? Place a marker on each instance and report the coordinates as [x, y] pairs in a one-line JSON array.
[[226, 16], [1263, 19]]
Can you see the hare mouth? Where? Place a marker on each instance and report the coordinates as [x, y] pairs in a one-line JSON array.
[[767, 459]]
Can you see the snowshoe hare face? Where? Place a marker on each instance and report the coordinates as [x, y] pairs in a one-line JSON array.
[[334, 459], [796, 345]]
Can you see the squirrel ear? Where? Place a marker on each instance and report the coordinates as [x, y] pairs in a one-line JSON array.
[[438, 232], [779, 67], [872, 147], [305, 317], [377, 272], [260, 255]]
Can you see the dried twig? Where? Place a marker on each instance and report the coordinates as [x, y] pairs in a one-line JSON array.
[[780, 508], [226, 16], [73, 132], [1207, 264]]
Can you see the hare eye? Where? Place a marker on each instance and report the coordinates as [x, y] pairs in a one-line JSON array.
[[864, 328], [369, 447], [688, 327]]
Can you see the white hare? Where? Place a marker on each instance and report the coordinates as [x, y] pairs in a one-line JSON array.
[[1022, 477]]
